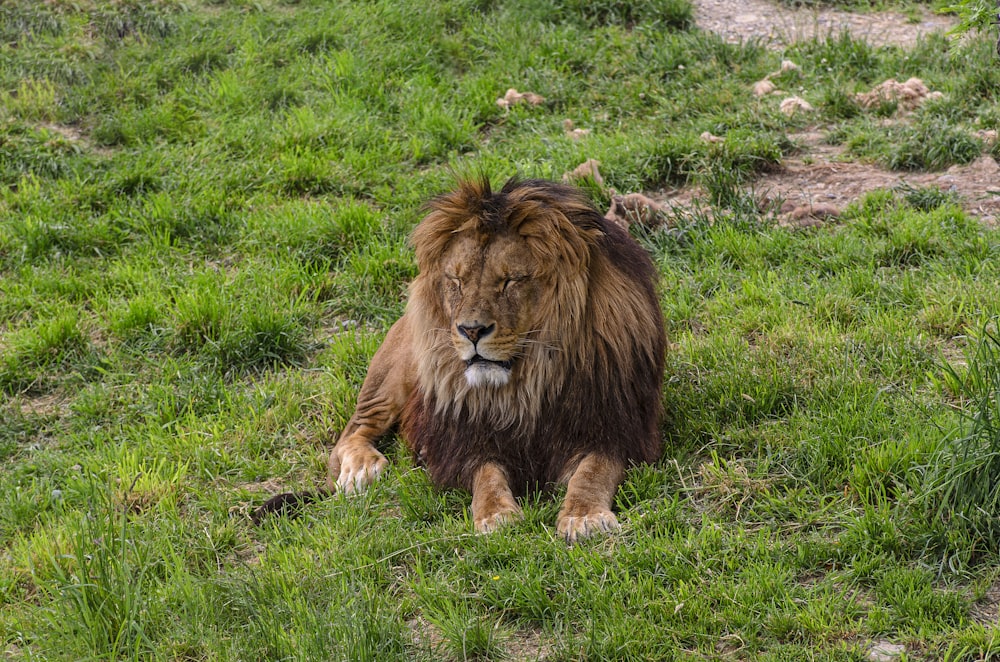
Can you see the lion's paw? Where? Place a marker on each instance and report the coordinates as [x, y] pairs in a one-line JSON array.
[[359, 468], [495, 520], [573, 528]]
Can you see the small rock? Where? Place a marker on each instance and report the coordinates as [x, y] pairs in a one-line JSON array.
[[788, 65], [792, 105], [806, 216], [570, 132], [513, 97], [586, 169], [907, 96], [884, 651], [635, 208], [708, 137], [988, 136], [763, 88]]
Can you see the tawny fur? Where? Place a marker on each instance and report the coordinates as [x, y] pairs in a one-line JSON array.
[[530, 354]]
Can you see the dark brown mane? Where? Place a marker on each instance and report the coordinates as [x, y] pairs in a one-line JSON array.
[[607, 399]]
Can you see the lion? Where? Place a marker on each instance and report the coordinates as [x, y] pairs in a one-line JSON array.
[[530, 355]]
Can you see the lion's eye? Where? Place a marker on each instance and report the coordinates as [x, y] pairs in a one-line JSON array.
[[511, 280]]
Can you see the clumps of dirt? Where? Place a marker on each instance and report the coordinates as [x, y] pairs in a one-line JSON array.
[[813, 187], [625, 209], [794, 105], [513, 98], [907, 96], [636, 208], [572, 132], [588, 168], [988, 136], [777, 26], [766, 86], [815, 183], [806, 216]]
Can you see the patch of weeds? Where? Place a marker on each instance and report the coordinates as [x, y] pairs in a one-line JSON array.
[[963, 481], [677, 14], [854, 57], [726, 166], [284, 616], [204, 218], [670, 161], [262, 338], [200, 314], [314, 234], [113, 131], [103, 590], [134, 18], [32, 353], [40, 152], [372, 285], [912, 601], [320, 41], [926, 198], [931, 144], [308, 173], [466, 633], [32, 101], [140, 317], [838, 104], [24, 23]]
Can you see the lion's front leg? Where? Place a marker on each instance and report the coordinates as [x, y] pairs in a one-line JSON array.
[[590, 493], [493, 502], [355, 463]]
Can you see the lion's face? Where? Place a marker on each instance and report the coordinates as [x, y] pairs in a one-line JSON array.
[[488, 291]]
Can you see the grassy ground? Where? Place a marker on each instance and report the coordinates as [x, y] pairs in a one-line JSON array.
[[203, 219]]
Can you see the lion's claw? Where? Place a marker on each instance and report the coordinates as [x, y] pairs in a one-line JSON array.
[[573, 528], [359, 469], [494, 521]]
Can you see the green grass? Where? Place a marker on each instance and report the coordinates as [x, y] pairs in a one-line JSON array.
[[203, 218]]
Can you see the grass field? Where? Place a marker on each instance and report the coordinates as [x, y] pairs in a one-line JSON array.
[[203, 218]]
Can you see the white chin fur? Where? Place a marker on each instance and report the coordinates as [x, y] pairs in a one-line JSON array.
[[485, 374]]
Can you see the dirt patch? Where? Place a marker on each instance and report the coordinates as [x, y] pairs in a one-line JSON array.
[[522, 644], [49, 404], [778, 25], [986, 610], [815, 184], [817, 179]]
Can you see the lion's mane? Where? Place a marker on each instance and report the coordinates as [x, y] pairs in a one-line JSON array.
[[590, 379]]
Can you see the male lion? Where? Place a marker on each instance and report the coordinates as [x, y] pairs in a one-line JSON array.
[[530, 354]]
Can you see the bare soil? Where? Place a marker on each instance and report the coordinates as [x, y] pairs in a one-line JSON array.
[[819, 178], [778, 25]]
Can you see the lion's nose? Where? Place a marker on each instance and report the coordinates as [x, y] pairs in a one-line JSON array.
[[474, 332]]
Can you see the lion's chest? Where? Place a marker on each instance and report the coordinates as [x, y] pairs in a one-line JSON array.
[[452, 445]]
